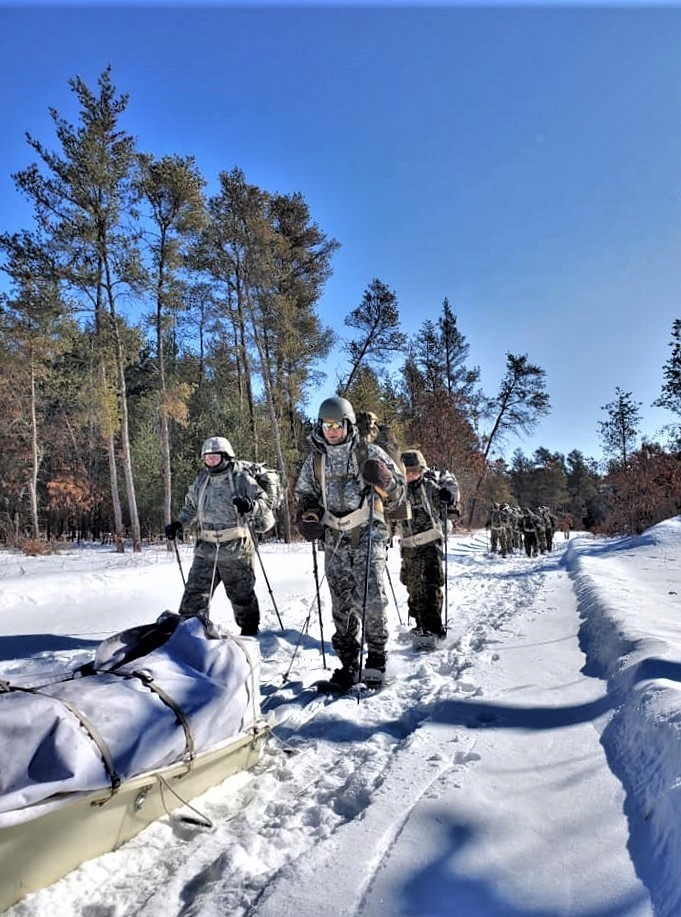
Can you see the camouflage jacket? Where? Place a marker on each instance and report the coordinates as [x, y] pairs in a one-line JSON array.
[[209, 499], [345, 490]]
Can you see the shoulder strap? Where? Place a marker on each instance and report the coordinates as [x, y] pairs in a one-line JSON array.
[[320, 474]]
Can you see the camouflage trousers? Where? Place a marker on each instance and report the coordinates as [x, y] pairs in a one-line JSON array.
[[422, 572], [531, 548], [500, 541], [345, 565], [541, 541], [234, 569]]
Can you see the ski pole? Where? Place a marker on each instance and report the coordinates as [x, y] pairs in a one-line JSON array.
[[179, 562], [262, 567], [319, 601], [392, 589], [365, 598], [446, 576], [213, 584]]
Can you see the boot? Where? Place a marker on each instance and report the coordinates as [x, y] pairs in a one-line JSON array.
[[374, 670], [432, 624], [345, 677]]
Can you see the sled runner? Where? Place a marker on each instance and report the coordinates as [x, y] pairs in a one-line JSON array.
[[161, 714]]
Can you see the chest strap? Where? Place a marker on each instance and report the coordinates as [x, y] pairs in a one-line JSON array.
[[352, 520]]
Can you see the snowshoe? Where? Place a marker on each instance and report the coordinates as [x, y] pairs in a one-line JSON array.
[[341, 682], [425, 640], [327, 686]]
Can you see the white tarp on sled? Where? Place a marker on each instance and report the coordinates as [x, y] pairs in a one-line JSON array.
[[140, 706]]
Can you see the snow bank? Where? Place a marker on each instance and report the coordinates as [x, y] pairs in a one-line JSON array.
[[627, 596]]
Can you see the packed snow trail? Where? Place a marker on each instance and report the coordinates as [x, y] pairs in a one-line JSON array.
[[333, 819]]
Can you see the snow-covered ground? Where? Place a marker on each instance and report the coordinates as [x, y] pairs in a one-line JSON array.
[[530, 766]]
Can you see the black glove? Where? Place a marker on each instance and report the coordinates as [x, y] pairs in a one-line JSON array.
[[310, 527], [446, 496], [243, 504], [377, 473], [173, 529]]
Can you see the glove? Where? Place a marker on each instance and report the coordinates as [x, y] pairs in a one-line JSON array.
[[243, 504], [173, 529], [310, 527], [457, 511], [377, 473], [446, 496]]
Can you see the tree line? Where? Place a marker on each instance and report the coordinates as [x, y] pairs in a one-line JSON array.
[[144, 315]]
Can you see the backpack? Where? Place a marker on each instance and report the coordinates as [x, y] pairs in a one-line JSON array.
[[269, 480]]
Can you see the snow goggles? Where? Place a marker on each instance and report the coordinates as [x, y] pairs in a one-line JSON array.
[[333, 424]]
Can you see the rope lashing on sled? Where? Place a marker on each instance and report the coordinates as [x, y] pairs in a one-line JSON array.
[[90, 729], [148, 682], [254, 690]]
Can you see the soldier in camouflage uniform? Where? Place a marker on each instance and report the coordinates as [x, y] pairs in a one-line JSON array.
[[431, 496], [221, 502], [550, 527], [530, 526], [493, 525], [541, 530], [333, 504], [506, 531]]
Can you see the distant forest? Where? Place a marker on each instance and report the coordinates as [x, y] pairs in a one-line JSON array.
[[144, 316]]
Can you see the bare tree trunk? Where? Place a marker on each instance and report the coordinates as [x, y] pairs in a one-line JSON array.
[[276, 428], [243, 353], [164, 431], [123, 404], [127, 454], [33, 482], [119, 530]]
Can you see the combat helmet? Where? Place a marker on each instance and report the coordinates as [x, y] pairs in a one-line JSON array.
[[336, 408], [218, 444], [413, 459]]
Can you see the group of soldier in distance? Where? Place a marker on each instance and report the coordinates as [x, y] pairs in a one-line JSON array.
[[514, 528], [355, 494]]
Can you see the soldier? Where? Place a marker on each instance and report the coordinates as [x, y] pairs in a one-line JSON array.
[[549, 523], [493, 524], [530, 525], [431, 495], [506, 531], [541, 530], [339, 482], [221, 501]]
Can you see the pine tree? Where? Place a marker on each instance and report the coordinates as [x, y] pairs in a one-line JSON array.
[[621, 430], [83, 204], [670, 396], [377, 318], [172, 187], [521, 400]]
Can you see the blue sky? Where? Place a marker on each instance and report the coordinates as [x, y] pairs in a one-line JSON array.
[[524, 162]]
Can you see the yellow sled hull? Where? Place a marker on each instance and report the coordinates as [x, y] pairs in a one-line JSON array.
[[35, 853]]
